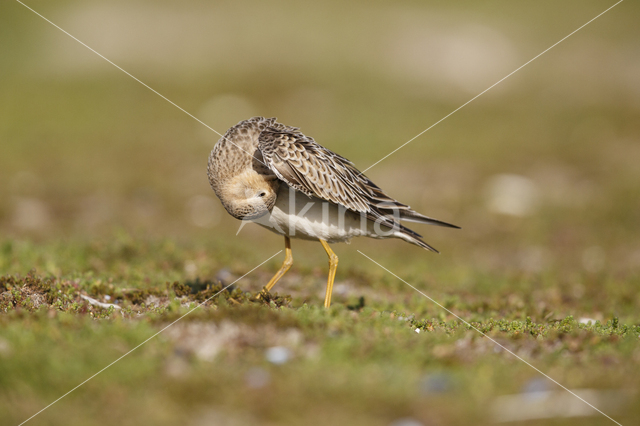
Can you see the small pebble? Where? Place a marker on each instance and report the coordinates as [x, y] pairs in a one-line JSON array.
[[190, 267], [257, 378], [278, 355], [439, 382], [536, 386], [406, 421], [224, 276], [5, 347]]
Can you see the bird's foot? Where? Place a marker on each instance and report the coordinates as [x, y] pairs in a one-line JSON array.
[[263, 295], [273, 300]]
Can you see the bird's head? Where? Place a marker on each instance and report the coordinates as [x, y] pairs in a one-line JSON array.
[[250, 195]]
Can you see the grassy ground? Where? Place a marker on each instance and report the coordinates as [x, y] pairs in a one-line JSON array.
[[104, 196]]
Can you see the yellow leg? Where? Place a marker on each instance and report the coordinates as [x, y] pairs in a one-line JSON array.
[[288, 261], [333, 265]]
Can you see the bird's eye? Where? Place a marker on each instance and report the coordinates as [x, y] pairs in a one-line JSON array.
[[262, 193]]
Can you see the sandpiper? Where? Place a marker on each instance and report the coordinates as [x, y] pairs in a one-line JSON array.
[[271, 174]]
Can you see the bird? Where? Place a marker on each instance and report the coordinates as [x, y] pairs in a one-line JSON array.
[[273, 175]]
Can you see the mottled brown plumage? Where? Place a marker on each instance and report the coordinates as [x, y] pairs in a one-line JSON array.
[[260, 168]]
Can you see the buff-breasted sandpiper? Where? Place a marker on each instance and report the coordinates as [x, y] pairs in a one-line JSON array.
[[273, 175]]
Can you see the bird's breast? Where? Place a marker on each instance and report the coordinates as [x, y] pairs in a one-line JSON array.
[[298, 216]]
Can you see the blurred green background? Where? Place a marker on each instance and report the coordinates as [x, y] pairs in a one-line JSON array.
[[101, 179]]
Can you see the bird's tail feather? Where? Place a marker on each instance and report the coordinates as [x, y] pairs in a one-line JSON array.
[[413, 216], [414, 240]]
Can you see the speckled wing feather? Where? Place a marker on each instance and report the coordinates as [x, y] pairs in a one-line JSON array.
[[314, 170]]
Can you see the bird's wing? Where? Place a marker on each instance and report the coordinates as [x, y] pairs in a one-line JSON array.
[[314, 170]]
